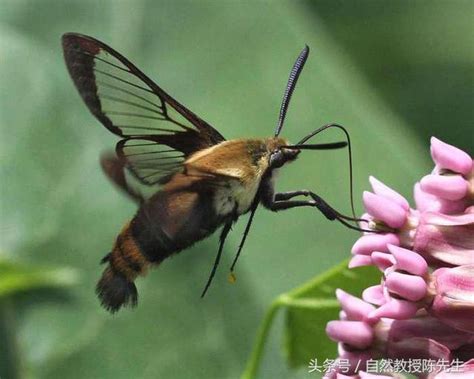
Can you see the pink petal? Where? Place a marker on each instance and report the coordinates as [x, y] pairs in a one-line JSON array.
[[381, 189], [418, 348], [383, 209], [355, 309], [429, 327], [354, 333], [360, 260], [396, 309], [469, 209], [374, 295], [409, 261], [382, 260], [449, 187], [454, 300], [440, 219], [369, 243], [427, 202], [410, 287], [446, 238], [450, 157]]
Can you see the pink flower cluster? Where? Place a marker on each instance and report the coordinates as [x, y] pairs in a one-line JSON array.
[[424, 306]]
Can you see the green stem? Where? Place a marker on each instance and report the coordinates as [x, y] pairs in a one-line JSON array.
[[286, 301], [9, 357], [256, 355]]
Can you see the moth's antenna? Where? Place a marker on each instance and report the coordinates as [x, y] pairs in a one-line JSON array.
[[290, 87]]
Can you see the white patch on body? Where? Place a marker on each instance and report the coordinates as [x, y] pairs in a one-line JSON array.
[[235, 192]]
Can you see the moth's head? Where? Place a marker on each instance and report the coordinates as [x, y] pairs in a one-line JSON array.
[[279, 154]]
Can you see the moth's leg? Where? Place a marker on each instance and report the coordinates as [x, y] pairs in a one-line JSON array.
[[281, 201], [324, 208], [225, 231], [290, 194], [246, 232]]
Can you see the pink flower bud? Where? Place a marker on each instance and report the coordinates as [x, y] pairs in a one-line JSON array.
[[395, 309], [374, 295], [450, 157], [360, 260], [426, 202], [381, 189], [382, 260], [355, 333], [410, 287], [449, 187], [354, 308], [409, 261], [369, 243], [384, 209]]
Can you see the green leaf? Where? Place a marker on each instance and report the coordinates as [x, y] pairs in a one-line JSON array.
[[21, 279], [15, 277], [311, 306], [308, 309]]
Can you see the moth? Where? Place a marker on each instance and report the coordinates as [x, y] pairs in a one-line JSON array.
[[203, 181]]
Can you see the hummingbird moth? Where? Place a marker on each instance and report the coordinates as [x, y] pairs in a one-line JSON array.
[[203, 181]]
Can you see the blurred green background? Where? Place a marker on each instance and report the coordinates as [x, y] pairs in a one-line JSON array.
[[393, 72]]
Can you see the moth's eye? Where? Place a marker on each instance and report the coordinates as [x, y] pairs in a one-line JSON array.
[[276, 159]]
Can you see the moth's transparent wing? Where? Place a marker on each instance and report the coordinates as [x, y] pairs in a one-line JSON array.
[[122, 97], [148, 161], [132, 106]]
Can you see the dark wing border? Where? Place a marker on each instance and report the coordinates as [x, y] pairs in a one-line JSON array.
[[75, 44]]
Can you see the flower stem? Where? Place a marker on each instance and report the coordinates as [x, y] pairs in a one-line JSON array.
[[256, 355]]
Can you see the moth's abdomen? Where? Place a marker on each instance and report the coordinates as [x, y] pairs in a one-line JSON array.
[[168, 223], [126, 261], [174, 220]]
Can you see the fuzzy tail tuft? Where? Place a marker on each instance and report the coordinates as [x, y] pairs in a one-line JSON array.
[[115, 291]]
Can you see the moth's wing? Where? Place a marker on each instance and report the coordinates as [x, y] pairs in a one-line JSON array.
[[115, 170], [132, 106], [122, 97], [150, 161]]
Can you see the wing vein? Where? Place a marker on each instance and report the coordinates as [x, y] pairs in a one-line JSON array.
[[145, 128], [124, 81], [104, 60], [130, 114], [129, 93], [119, 100]]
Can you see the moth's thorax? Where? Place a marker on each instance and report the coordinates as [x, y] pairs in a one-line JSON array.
[[239, 166]]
